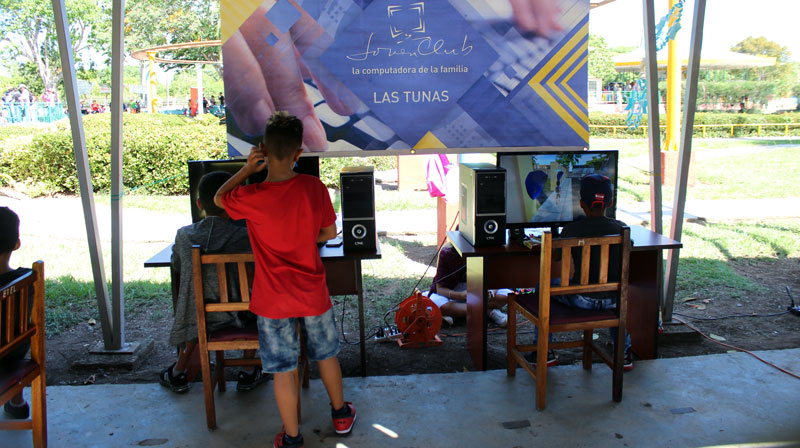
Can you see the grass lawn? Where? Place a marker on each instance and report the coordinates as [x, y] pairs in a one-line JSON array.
[[725, 169]]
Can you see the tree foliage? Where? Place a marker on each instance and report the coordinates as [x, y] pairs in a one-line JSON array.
[[27, 28], [601, 64], [149, 23], [783, 73]]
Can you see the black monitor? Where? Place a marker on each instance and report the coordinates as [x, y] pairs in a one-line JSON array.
[[543, 188], [197, 168]]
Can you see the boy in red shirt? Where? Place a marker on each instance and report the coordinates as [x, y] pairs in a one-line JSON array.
[[287, 215]]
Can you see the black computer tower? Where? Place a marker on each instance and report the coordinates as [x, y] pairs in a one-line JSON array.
[[482, 204], [358, 209]]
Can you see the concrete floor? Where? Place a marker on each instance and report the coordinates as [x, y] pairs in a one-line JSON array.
[[726, 399]]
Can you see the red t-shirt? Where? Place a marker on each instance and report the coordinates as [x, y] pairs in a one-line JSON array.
[[284, 220]]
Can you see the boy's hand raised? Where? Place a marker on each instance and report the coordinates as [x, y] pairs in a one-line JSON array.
[[257, 160]]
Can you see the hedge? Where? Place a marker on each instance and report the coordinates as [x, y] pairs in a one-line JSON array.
[[157, 147], [596, 120]]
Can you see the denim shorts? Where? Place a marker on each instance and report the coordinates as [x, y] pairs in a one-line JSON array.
[[279, 344]]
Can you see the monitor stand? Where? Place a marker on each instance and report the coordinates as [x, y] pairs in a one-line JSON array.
[[554, 230]]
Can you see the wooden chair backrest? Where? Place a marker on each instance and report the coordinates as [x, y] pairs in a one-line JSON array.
[[583, 285], [18, 325], [243, 263]]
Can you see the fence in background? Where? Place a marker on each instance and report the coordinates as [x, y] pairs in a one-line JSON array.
[[36, 112]]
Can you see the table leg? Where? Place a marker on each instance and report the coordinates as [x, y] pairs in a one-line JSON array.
[[360, 288], [476, 312]]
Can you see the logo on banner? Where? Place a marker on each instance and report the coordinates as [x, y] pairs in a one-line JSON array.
[[409, 64], [406, 20]]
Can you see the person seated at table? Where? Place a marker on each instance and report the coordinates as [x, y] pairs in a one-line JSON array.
[[449, 289], [214, 233], [596, 195], [16, 407]]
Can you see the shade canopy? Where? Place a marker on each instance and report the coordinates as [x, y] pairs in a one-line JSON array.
[[719, 60]]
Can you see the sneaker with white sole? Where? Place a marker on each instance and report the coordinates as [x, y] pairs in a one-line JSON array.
[[552, 358], [498, 317]]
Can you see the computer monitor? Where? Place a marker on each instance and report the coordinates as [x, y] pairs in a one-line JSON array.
[[543, 188], [197, 168]]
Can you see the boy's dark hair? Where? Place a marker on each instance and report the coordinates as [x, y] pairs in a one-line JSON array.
[[209, 184], [283, 135], [9, 229]]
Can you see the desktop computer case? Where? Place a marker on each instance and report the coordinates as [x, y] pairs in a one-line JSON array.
[[482, 204], [358, 209]]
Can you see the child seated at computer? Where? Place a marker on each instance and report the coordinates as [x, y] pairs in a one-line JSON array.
[[16, 407], [597, 194], [214, 233]]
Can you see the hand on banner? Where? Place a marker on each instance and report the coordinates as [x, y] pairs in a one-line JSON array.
[[538, 16], [263, 76]]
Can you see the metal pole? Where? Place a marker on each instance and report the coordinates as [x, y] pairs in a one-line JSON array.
[[654, 137], [653, 130], [117, 73], [690, 104], [82, 163]]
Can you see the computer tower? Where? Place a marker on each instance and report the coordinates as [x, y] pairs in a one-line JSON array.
[[358, 209], [482, 204]]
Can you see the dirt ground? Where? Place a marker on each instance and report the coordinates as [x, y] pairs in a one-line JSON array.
[[751, 333]]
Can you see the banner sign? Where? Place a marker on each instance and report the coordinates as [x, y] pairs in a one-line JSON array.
[[401, 76]]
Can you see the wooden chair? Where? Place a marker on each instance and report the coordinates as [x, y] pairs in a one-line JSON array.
[[552, 317], [19, 374], [229, 338]]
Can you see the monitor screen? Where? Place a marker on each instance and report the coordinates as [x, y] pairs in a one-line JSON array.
[[543, 188], [197, 168]]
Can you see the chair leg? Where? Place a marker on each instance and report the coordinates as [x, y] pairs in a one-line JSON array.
[[39, 412], [587, 349], [208, 389], [541, 368], [511, 339], [219, 371], [305, 371], [619, 356]]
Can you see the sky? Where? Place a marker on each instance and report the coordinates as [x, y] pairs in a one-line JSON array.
[[727, 22]]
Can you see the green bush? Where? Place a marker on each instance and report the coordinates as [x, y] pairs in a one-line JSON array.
[[155, 151], [701, 118]]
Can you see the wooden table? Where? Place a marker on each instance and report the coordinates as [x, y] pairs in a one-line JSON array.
[[516, 266], [342, 273]]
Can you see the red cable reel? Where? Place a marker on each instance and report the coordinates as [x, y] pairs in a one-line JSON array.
[[418, 319]]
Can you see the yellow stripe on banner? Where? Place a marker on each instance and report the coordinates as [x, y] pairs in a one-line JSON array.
[[569, 76], [536, 84], [429, 141], [552, 83], [233, 13], [566, 116], [539, 76]]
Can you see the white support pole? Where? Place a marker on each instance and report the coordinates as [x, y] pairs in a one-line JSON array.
[[82, 163], [653, 129], [690, 104], [117, 77]]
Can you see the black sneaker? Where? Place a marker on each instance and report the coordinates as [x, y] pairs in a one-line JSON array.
[[552, 359], [178, 383], [249, 381], [20, 412], [627, 365]]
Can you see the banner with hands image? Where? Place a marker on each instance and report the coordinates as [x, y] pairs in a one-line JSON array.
[[385, 77]]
